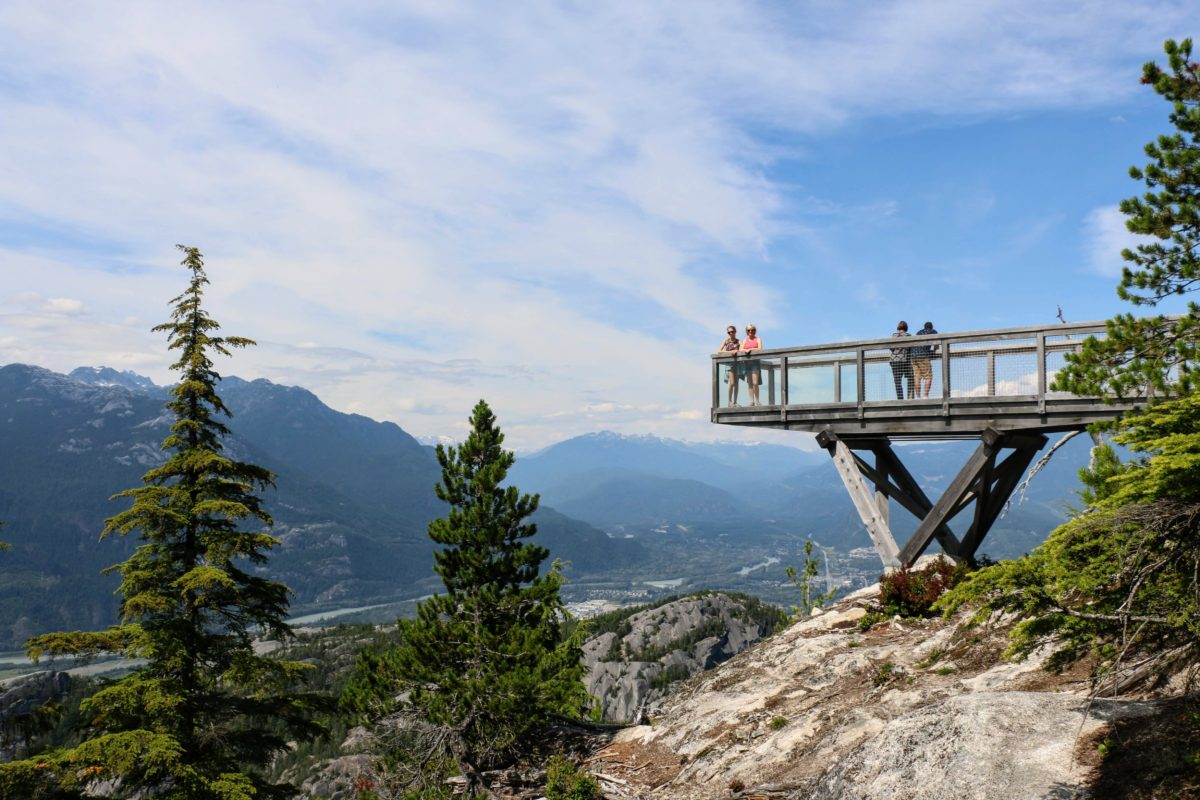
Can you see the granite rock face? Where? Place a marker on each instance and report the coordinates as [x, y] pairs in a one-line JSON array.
[[664, 644], [19, 696], [22, 696], [907, 709]]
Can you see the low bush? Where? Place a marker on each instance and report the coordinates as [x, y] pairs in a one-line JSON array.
[[565, 781], [912, 592]]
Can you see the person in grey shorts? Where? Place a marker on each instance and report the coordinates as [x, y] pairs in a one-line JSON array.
[[901, 363]]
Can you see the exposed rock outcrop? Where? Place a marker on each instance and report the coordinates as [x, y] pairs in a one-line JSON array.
[[656, 647], [824, 711], [20, 697]]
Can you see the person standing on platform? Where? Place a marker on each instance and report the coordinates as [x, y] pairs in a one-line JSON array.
[[901, 363], [922, 369], [753, 366], [731, 345]]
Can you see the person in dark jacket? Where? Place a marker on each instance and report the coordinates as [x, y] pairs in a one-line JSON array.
[[922, 369], [901, 363]]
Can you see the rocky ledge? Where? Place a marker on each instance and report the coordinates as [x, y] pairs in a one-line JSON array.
[[823, 710]]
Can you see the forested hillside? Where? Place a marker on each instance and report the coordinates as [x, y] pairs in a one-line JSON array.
[[351, 504]]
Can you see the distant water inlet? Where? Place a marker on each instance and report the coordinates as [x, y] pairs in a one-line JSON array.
[[992, 385], [744, 571], [331, 614], [673, 583]]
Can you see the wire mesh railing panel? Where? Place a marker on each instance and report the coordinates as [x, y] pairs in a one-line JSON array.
[[827, 378], [883, 379], [728, 388], [848, 384], [770, 380], [1007, 368]]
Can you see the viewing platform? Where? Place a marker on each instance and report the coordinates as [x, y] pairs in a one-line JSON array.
[[991, 385], [997, 379]]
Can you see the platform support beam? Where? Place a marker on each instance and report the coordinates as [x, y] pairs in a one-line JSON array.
[[865, 503], [981, 482]]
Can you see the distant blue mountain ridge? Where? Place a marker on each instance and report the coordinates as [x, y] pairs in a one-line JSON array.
[[355, 495]]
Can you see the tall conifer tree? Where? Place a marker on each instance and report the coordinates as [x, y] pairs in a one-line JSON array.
[[205, 713], [1156, 354], [485, 662]]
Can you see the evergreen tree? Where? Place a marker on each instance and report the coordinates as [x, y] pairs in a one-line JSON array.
[[484, 663], [205, 713], [1122, 577], [1155, 354]]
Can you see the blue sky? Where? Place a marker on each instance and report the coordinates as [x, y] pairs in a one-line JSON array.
[[559, 207]]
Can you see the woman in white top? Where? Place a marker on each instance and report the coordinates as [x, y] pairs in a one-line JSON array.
[[731, 345]]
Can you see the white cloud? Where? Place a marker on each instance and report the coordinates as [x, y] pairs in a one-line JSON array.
[[1105, 236], [554, 206], [63, 305]]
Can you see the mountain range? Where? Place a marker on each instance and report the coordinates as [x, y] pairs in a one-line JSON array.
[[352, 500], [354, 497]]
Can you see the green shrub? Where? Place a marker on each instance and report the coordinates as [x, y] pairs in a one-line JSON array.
[[935, 655], [886, 673], [868, 621], [777, 722], [565, 781], [670, 675]]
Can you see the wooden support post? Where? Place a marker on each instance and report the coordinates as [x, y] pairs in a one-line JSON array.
[[944, 346], [881, 490], [1007, 475], [861, 496], [783, 382], [913, 498], [860, 378], [943, 509], [716, 379], [1041, 371]]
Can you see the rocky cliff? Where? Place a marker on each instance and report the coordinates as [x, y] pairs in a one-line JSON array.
[[926, 709], [655, 647], [20, 698]]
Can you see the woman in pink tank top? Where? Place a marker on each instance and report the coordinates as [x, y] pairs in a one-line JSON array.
[[753, 367]]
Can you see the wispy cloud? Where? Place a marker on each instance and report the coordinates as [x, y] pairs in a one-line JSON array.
[[1105, 236], [542, 206]]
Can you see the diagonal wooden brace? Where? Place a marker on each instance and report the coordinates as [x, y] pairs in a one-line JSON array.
[[865, 502], [981, 482]]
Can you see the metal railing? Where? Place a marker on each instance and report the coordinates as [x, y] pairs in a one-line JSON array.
[[996, 369]]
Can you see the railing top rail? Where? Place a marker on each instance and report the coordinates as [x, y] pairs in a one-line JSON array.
[[1059, 329]]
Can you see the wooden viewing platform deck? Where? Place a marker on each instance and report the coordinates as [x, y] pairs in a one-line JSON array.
[[991, 385]]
